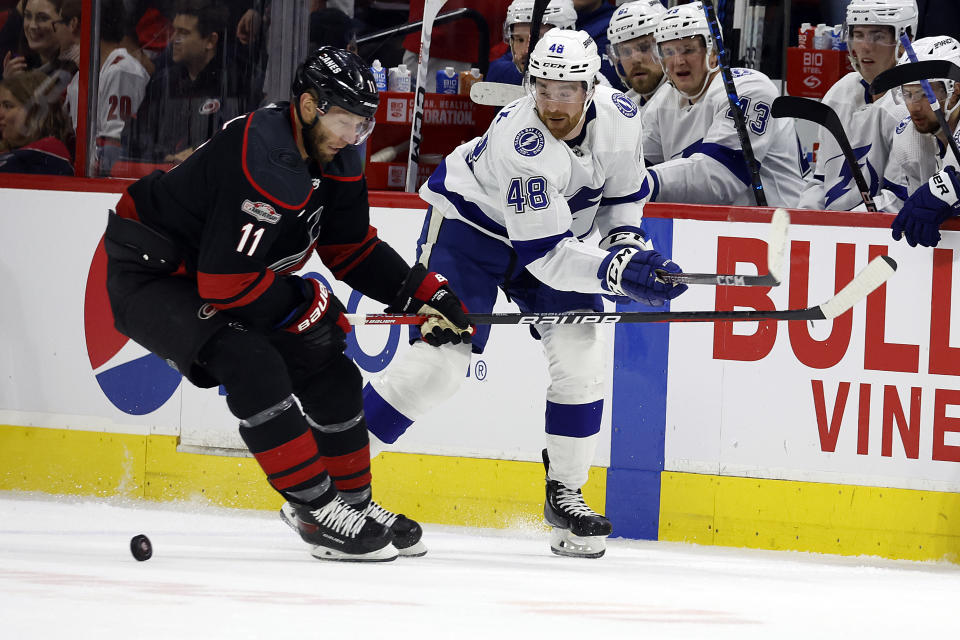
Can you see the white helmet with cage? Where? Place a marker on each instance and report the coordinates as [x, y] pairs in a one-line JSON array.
[[899, 14], [687, 21], [634, 20], [559, 14], [937, 48]]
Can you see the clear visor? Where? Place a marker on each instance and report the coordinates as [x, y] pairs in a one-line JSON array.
[[686, 48], [913, 93], [346, 126], [546, 92], [871, 35], [636, 49]]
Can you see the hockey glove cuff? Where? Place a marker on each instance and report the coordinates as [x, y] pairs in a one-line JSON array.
[[927, 208], [626, 237], [427, 293], [631, 272], [321, 307]]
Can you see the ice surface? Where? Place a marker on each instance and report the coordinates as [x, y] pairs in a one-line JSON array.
[[66, 572]]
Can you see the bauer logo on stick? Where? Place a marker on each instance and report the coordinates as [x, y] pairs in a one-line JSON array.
[[529, 142]]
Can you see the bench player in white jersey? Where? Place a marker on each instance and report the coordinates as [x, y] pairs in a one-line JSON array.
[[690, 137], [512, 210], [873, 29], [633, 50], [508, 68], [920, 146], [921, 164]]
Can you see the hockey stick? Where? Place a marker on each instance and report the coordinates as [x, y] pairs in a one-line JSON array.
[[924, 82], [430, 10], [776, 250], [495, 94], [821, 114], [865, 282], [536, 24], [735, 109], [913, 73]]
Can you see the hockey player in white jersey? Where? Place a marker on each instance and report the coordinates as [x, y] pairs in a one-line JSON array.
[[873, 29], [511, 210], [921, 163], [690, 137], [920, 146], [633, 50]]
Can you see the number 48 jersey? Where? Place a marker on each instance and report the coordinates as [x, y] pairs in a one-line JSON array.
[[544, 196], [697, 153]]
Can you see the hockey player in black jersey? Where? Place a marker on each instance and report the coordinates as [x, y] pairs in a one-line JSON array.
[[201, 272]]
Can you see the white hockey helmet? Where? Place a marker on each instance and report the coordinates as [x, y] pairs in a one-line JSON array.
[[902, 15], [683, 22], [559, 14], [565, 55], [634, 20], [937, 48]]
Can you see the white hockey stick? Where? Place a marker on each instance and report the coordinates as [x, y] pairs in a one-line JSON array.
[[495, 94], [776, 253], [430, 10], [864, 283]]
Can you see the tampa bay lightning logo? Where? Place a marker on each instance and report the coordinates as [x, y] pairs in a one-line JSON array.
[[529, 142], [903, 125], [626, 106]]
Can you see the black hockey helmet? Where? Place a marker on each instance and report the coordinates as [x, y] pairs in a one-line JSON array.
[[338, 77]]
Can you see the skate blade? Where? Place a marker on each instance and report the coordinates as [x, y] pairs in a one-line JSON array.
[[564, 543], [417, 550], [386, 554]]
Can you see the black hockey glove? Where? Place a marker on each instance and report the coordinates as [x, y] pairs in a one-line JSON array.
[[318, 322], [427, 293]]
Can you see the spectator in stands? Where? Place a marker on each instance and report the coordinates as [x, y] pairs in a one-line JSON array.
[[593, 16], [189, 100], [122, 83], [33, 126], [39, 47], [11, 29]]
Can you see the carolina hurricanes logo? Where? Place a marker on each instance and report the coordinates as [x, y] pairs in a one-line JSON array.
[[529, 142], [206, 312], [210, 105]]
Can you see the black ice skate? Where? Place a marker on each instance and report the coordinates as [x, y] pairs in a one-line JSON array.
[[339, 532], [578, 530], [406, 532]]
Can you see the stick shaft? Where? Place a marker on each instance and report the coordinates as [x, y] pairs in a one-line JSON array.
[[430, 10]]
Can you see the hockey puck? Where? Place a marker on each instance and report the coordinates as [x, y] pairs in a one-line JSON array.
[[140, 547]]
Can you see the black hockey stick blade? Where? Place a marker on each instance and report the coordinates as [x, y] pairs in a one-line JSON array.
[[913, 73], [821, 114], [539, 6], [872, 276], [776, 252]]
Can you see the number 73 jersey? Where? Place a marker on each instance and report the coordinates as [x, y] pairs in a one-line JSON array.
[[696, 150], [544, 196]]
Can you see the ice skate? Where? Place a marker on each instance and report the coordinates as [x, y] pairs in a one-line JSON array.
[[578, 530], [339, 532], [406, 532]]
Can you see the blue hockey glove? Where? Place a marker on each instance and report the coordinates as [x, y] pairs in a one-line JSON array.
[[631, 272], [925, 210]]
